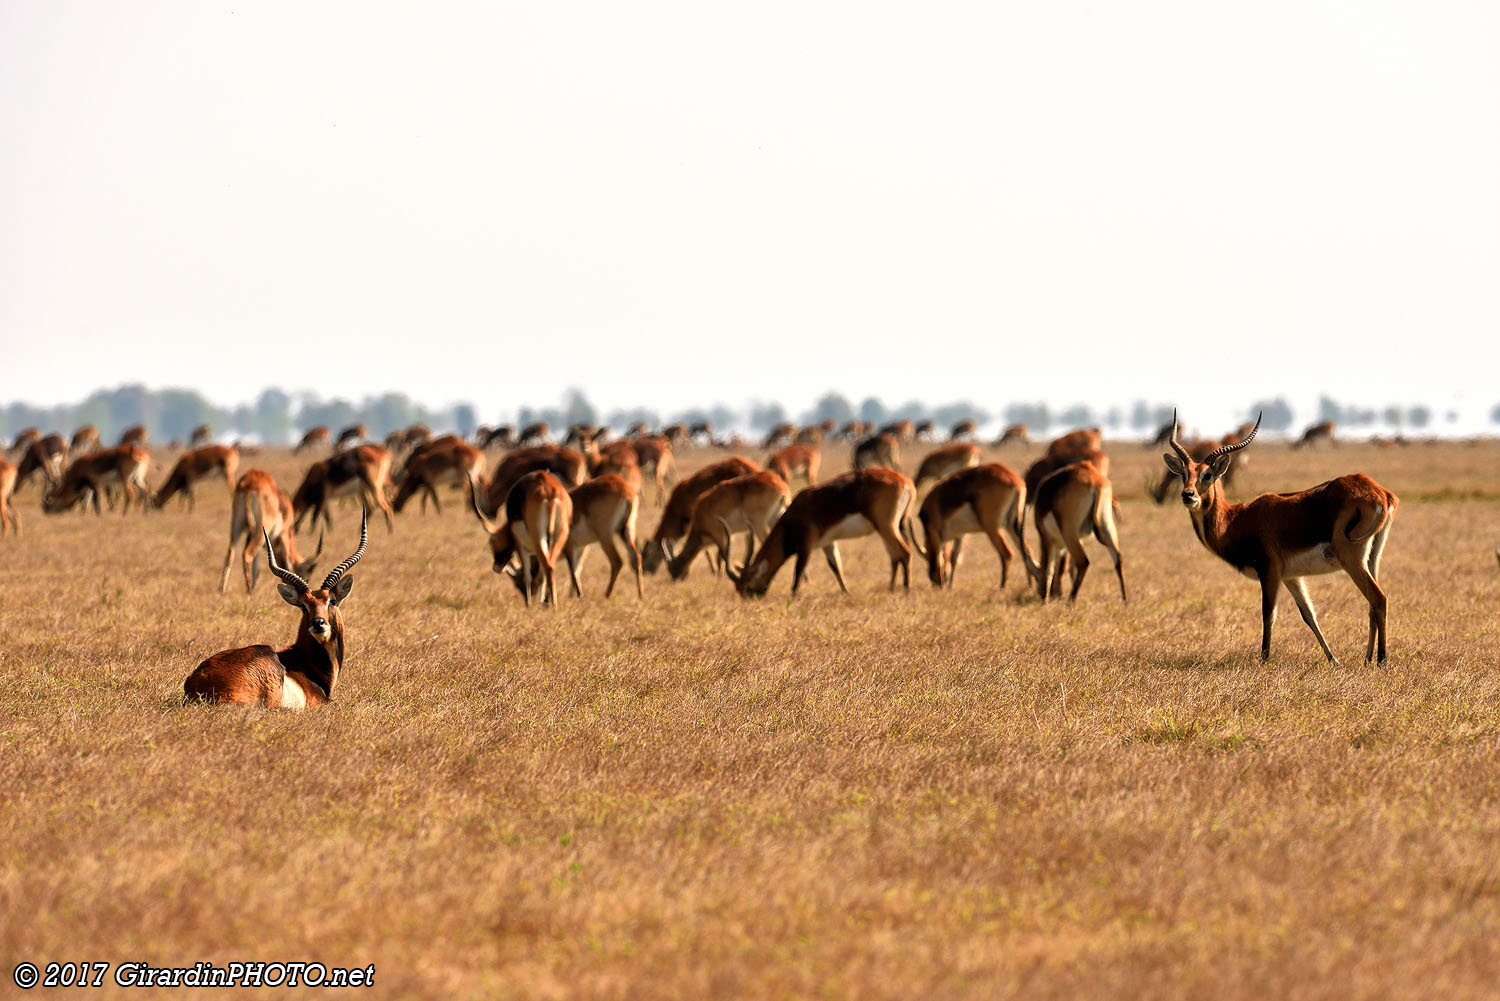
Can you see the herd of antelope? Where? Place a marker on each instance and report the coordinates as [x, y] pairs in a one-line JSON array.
[[544, 503]]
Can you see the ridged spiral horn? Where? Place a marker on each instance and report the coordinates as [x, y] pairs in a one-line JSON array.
[[1177, 445], [364, 540], [1226, 449], [289, 576]]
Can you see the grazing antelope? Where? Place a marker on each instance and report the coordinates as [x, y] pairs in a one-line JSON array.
[[901, 430], [701, 429], [447, 459], [637, 429], [136, 434], [849, 506], [750, 503], [1319, 432], [1017, 433], [797, 460], [855, 430], [881, 450], [1339, 525], [85, 440], [89, 475], [925, 431], [202, 435], [618, 458], [1069, 504], [989, 499], [1164, 434], [8, 514], [604, 509], [196, 465], [45, 456], [676, 434], [535, 434], [781, 434], [315, 437], [354, 434], [581, 435], [363, 469], [1074, 442], [810, 435], [654, 456], [945, 460], [538, 513], [1053, 461], [417, 435], [963, 431], [677, 516], [24, 439], [567, 465], [260, 508], [503, 436], [305, 673]]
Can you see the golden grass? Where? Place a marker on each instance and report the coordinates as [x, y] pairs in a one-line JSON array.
[[944, 795]]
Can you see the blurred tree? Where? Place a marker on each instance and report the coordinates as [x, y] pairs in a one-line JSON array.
[[873, 411], [1077, 416], [830, 406], [950, 414], [179, 411], [465, 419], [1034, 415], [764, 416], [1277, 414], [622, 418], [273, 418], [1419, 416], [577, 409], [336, 414], [386, 413]]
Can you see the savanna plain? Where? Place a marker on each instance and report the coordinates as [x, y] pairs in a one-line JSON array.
[[934, 795]]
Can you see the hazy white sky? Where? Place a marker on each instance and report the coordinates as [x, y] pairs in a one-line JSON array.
[[674, 203]]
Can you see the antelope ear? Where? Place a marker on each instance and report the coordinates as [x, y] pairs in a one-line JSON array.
[[290, 595], [1221, 465], [1174, 464], [342, 588]]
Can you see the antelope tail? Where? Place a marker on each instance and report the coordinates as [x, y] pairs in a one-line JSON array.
[[1380, 516]]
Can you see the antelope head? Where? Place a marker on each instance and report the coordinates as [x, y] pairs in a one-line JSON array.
[[1201, 479], [320, 607]]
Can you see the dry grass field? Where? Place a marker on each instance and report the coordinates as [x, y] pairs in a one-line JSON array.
[[940, 795]]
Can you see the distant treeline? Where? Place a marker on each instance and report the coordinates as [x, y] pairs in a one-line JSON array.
[[276, 416]]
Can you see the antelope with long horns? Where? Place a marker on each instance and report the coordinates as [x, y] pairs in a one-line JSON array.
[[305, 673], [538, 513], [1338, 526]]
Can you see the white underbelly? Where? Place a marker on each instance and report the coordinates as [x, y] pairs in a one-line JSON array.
[[960, 523], [1310, 562], [852, 527]]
